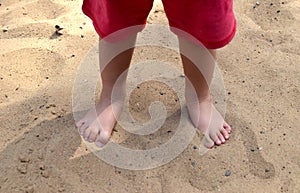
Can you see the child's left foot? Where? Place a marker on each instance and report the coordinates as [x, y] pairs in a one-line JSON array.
[[207, 119]]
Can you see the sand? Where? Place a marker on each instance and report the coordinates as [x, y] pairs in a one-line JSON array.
[[41, 151]]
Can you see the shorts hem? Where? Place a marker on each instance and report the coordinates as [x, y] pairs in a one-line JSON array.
[[222, 43]]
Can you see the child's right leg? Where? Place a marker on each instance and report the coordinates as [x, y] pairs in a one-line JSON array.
[[97, 127], [111, 16]]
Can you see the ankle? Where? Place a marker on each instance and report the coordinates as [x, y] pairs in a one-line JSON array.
[[113, 94], [198, 99], [205, 97]]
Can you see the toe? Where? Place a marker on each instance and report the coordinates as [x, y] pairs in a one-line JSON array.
[[221, 138], [215, 138], [209, 145], [86, 133], [227, 127], [82, 129], [93, 135], [225, 133], [102, 138], [208, 142]]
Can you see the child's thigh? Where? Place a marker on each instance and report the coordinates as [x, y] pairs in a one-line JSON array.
[[210, 21], [109, 16]]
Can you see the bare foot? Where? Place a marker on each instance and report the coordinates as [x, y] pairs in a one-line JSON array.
[[207, 119], [97, 125]]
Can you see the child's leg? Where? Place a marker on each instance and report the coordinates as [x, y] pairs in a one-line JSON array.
[[198, 78], [111, 16], [97, 127], [212, 23]]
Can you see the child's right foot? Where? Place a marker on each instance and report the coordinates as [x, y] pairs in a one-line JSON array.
[[97, 126]]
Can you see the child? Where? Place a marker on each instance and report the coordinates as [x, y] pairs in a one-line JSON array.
[[211, 22]]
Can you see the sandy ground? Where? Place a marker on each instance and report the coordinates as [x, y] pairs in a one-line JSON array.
[[41, 151]]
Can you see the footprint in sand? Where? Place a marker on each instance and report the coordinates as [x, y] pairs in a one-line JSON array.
[[257, 164]]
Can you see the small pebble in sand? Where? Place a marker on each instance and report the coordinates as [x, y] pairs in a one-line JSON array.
[[42, 167], [58, 28], [267, 170], [193, 164], [228, 173], [256, 4], [5, 29]]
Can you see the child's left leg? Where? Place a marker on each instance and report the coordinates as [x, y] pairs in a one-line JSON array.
[[212, 23], [202, 112]]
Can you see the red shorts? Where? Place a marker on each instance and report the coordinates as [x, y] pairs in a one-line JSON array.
[[212, 22]]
